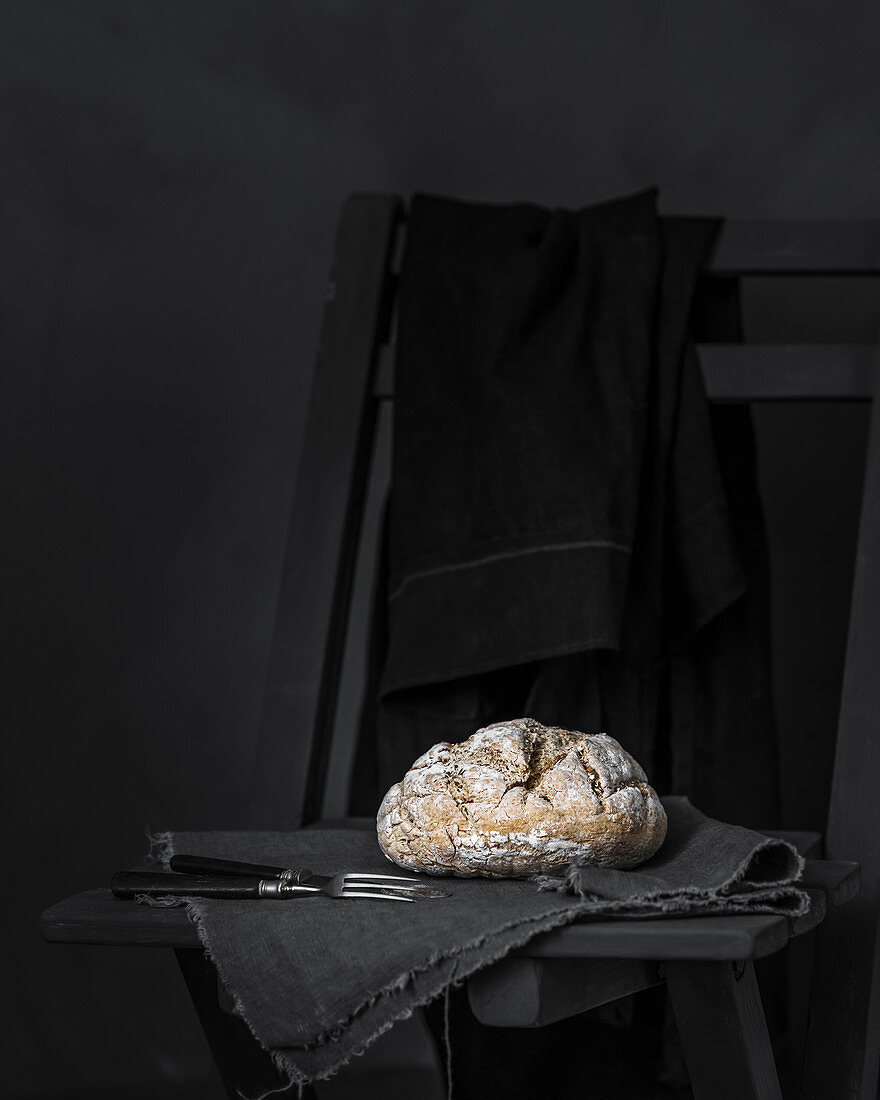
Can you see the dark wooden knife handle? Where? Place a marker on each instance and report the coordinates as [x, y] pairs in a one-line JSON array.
[[129, 884], [208, 865]]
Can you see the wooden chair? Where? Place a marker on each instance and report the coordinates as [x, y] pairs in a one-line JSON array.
[[706, 963]]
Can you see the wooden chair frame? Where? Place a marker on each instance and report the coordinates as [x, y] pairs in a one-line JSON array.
[[705, 962]]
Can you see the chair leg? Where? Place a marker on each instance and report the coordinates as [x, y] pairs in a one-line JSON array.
[[245, 1068], [723, 1032], [843, 1043]]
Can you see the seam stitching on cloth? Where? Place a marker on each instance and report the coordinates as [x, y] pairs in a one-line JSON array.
[[476, 563]]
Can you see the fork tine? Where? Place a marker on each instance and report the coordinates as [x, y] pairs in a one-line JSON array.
[[381, 895], [416, 891], [395, 878]]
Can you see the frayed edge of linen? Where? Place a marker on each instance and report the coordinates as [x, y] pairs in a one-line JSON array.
[[280, 1091], [160, 849]]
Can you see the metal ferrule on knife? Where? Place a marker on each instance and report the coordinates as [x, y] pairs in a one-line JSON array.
[[280, 888]]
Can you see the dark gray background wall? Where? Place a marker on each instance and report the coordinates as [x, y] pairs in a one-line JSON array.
[[169, 179]]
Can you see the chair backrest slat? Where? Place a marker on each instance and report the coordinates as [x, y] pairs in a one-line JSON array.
[[788, 372], [849, 942], [798, 248], [757, 372], [300, 697]]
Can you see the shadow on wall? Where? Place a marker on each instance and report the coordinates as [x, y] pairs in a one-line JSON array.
[[171, 177]]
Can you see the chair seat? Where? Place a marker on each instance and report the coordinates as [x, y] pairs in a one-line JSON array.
[[556, 975], [97, 917]]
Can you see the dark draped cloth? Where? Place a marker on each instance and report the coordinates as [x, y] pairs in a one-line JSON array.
[[573, 534]]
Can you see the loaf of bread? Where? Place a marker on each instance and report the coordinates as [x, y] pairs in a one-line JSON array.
[[518, 798]]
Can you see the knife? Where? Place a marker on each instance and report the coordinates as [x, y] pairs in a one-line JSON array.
[[209, 865], [131, 884]]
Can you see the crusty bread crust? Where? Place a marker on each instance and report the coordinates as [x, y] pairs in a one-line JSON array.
[[518, 798]]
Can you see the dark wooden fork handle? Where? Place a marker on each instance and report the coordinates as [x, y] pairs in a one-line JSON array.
[[130, 884]]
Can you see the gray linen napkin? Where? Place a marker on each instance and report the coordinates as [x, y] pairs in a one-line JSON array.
[[317, 980], [704, 866]]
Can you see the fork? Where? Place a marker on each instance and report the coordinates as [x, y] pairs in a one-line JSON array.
[[157, 884], [344, 883], [302, 876]]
